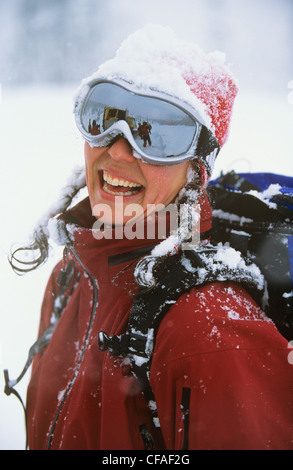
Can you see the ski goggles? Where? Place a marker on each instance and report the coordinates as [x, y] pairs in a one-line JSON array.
[[158, 127]]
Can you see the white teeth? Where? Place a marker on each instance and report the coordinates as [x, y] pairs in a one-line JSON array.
[[119, 182], [117, 193]]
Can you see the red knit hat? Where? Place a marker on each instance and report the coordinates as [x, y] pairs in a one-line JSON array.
[[217, 92]]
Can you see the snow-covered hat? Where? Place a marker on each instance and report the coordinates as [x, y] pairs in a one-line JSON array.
[[154, 58]]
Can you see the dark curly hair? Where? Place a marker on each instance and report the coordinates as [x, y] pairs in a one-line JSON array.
[[29, 257], [34, 254]]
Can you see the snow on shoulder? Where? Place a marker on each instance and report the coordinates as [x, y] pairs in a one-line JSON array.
[[267, 194]]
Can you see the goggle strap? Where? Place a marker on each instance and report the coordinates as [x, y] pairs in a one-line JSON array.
[[207, 145]]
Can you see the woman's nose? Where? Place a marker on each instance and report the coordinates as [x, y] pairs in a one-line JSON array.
[[121, 150]]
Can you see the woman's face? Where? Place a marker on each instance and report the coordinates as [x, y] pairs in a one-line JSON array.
[[119, 182]]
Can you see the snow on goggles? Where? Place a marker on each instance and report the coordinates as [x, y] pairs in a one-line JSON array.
[[159, 129]]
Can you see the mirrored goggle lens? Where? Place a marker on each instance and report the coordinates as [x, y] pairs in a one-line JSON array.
[[159, 128]]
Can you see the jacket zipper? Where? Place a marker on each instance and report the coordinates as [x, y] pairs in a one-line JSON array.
[[83, 350], [185, 408]]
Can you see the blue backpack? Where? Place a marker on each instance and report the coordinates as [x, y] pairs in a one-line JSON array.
[[253, 212]]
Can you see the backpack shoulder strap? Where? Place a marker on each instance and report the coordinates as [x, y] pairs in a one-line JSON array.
[[192, 268]]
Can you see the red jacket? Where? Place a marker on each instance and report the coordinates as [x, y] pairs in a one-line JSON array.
[[215, 350]]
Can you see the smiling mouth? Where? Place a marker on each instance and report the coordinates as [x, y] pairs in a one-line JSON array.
[[119, 186]]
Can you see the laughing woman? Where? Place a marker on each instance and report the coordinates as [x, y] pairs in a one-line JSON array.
[[216, 380]]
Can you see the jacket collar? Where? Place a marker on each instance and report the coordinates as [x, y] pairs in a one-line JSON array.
[[103, 253], [100, 251]]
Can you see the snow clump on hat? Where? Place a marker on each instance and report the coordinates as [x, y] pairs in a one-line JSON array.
[[153, 58]]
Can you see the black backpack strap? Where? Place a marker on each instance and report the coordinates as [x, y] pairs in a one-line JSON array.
[[148, 309], [182, 272]]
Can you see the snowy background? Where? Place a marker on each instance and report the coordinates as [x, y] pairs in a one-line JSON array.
[[46, 48]]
